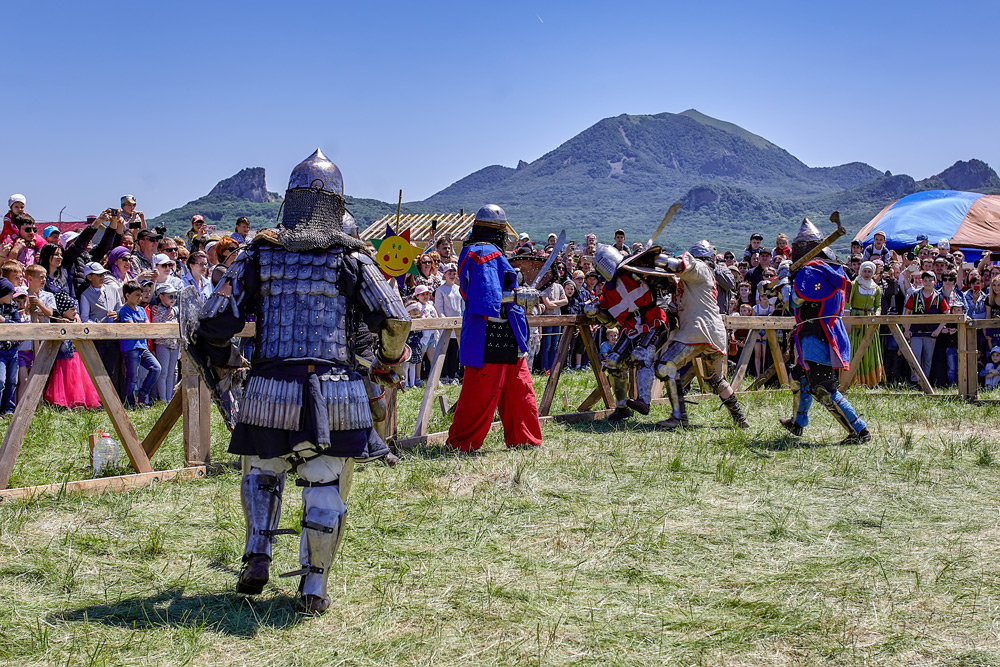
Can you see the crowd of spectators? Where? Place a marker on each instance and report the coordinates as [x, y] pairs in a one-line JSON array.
[[117, 269]]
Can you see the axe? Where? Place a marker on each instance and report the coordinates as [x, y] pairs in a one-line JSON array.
[[820, 247]]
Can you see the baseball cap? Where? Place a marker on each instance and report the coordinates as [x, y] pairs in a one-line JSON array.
[[6, 287], [413, 306], [128, 199], [16, 198], [578, 274], [161, 258], [147, 235], [756, 237], [48, 231], [523, 236], [20, 291], [165, 288], [995, 350], [445, 268], [943, 244], [421, 289], [879, 233], [921, 237], [95, 268], [197, 218], [68, 237]]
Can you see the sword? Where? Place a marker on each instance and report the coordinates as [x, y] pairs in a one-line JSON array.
[[666, 218], [547, 266]]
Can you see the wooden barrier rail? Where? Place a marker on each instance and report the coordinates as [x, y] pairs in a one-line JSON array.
[[192, 404]]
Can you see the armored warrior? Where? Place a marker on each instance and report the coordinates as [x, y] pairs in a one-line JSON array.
[[305, 408], [820, 342], [700, 333], [631, 300], [494, 341]]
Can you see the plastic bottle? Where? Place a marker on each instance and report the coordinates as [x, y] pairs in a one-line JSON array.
[[105, 454]]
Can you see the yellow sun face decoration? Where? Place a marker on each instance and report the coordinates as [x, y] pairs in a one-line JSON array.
[[395, 255]]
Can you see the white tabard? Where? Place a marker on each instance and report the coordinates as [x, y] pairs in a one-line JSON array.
[[698, 318]]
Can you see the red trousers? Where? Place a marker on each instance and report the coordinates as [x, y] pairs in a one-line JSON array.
[[504, 386]]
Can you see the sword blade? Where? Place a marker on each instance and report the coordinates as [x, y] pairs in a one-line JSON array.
[[547, 266], [671, 212]]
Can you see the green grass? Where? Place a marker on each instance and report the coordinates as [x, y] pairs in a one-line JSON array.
[[604, 546]]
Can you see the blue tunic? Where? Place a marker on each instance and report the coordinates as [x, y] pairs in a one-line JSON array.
[[483, 275], [824, 341]]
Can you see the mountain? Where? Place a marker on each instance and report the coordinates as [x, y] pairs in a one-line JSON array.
[[248, 184], [626, 170], [246, 194]]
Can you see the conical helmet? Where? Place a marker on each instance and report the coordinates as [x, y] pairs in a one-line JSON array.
[[808, 238], [491, 215], [606, 260], [312, 215], [317, 172]]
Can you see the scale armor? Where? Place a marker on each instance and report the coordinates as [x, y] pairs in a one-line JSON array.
[[302, 314]]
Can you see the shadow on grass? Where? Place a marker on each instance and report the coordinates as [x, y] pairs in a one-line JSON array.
[[784, 443], [630, 425], [227, 613]]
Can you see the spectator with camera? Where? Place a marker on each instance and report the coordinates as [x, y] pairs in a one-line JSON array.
[[197, 230]]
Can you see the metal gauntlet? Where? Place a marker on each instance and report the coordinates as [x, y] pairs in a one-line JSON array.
[[525, 297], [392, 352], [672, 264]]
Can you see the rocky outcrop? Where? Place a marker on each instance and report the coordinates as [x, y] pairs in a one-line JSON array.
[[248, 184], [966, 175]]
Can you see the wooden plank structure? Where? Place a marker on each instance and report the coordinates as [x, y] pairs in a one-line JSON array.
[[191, 403], [419, 224]]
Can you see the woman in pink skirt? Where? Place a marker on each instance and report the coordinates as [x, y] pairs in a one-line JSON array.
[[70, 385]]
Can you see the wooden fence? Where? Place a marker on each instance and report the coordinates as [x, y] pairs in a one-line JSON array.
[[191, 402]]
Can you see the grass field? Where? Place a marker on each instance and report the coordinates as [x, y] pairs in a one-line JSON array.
[[604, 546]]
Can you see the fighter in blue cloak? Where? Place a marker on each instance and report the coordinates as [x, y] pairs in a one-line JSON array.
[[820, 342]]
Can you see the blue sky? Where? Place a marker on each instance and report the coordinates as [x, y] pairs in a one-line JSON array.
[[163, 100]]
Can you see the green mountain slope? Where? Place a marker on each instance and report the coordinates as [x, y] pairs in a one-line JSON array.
[[222, 210]]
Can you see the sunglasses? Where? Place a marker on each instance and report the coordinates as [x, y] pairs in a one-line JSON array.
[[29, 229], [172, 297], [948, 280], [428, 263], [170, 250]]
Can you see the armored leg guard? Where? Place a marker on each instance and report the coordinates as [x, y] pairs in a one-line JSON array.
[[844, 413], [261, 496], [322, 527], [736, 411], [618, 379], [720, 386], [678, 416], [644, 389]]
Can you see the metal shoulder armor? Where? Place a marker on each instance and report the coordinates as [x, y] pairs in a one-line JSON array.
[[235, 277], [376, 292]]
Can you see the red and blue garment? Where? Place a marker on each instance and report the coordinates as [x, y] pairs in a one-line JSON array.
[[820, 335], [484, 266], [632, 303]]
